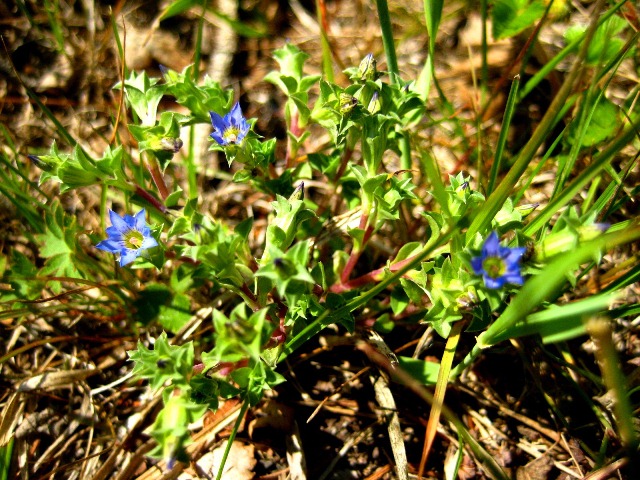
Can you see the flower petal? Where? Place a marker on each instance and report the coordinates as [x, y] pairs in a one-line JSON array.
[[217, 121], [514, 255], [513, 277], [493, 283], [127, 256], [113, 233], [118, 222], [491, 247], [218, 138], [109, 245], [476, 264], [235, 115], [148, 242], [140, 220]]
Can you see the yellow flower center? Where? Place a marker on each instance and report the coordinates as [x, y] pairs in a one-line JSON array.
[[494, 267], [133, 239], [231, 134]]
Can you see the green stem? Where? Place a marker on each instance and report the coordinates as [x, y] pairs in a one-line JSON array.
[[387, 39], [392, 65], [156, 175], [190, 163], [327, 66], [232, 437], [192, 181], [103, 207], [614, 379]]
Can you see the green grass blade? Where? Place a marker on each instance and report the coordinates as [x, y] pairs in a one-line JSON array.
[[551, 278], [502, 139], [387, 39], [600, 161], [560, 323], [495, 201], [566, 51]]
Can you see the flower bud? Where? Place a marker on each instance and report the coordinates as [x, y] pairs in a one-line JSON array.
[[368, 68], [567, 239], [347, 104], [527, 209], [375, 104], [169, 144]]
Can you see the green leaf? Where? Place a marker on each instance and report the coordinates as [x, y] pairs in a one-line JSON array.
[[291, 60], [163, 363], [177, 7], [510, 17], [399, 301], [21, 277], [560, 323], [58, 246], [173, 198], [198, 99], [175, 315], [604, 123], [606, 42], [425, 372]]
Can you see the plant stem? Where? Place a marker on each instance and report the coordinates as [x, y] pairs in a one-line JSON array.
[[156, 175], [355, 254], [327, 67], [387, 39], [614, 379], [150, 198], [232, 437]]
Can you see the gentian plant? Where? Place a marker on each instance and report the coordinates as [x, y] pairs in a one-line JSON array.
[[366, 231]]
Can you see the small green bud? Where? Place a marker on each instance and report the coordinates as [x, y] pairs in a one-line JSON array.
[[375, 104], [169, 144], [566, 240], [368, 68], [467, 301], [159, 144], [298, 193], [347, 104], [284, 267], [37, 161], [527, 209]]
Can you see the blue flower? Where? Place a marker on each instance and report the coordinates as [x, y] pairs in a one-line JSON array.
[[230, 129], [128, 236], [498, 265]]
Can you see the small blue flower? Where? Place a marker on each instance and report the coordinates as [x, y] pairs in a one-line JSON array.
[[498, 265], [128, 236], [230, 129]]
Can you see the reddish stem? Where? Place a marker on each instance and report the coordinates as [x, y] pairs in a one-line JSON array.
[[158, 179], [371, 277], [150, 198], [295, 130], [355, 254]]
